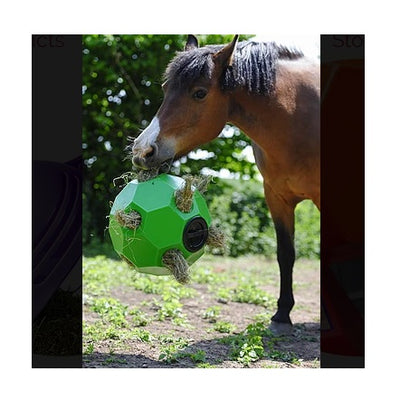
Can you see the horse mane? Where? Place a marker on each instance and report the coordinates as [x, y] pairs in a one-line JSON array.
[[253, 68]]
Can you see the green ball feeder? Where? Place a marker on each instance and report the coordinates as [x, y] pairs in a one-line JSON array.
[[157, 224]]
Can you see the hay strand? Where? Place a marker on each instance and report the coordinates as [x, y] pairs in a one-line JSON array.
[[131, 219], [126, 177], [216, 238], [201, 182], [184, 195], [141, 175], [175, 262]]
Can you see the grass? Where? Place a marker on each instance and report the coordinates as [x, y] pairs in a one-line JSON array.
[[114, 322]]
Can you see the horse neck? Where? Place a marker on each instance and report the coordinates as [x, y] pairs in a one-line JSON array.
[[259, 117]]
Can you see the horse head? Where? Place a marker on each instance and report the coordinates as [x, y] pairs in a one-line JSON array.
[[194, 108]]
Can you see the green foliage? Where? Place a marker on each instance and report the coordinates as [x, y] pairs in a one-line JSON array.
[[198, 357], [307, 230], [172, 351], [224, 327], [212, 313], [170, 308], [161, 285], [100, 272], [286, 356], [238, 207], [141, 334], [111, 310], [247, 346], [139, 318], [120, 94], [248, 292], [206, 275]]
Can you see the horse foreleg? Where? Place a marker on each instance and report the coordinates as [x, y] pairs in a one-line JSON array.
[[282, 212]]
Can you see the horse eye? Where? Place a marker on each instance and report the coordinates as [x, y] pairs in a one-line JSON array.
[[200, 94]]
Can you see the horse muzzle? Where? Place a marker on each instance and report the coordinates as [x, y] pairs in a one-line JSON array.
[[152, 156], [144, 158]]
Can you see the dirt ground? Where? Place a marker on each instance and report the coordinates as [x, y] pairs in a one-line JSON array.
[[301, 349]]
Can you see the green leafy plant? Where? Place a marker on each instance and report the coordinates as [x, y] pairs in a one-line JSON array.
[[286, 356], [247, 346], [170, 308], [206, 274], [89, 349], [198, 357], [224, 327], [205, 365], [172, 353], [212, 313], [111, 310], [248, 292], [223, 294], [139, 318], [141, 334]]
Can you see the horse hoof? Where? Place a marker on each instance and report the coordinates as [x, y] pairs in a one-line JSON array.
[[281, 328]]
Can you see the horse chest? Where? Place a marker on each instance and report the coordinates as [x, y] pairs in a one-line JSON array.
[[289, 180]]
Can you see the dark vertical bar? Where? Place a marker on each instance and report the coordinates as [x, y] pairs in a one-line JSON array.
[[56, 201], [342, 201]]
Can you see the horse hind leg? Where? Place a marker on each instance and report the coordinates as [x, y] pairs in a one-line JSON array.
[[282, 213]]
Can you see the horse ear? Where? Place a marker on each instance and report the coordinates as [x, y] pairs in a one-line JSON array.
[[191, 43], [224, 57]]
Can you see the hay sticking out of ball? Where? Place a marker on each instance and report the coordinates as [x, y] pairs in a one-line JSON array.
[[216, 238], [141, 175], [126, 177], [146, 174], [184, 195], [131, 219], [201, 182], [175, 262]]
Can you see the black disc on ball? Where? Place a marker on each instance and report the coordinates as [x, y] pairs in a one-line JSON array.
[[195, 234]]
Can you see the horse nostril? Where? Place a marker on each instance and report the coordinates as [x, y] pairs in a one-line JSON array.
[[144, 158], [150, 152]]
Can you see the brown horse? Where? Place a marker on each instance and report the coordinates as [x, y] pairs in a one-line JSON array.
[[272, 94]]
